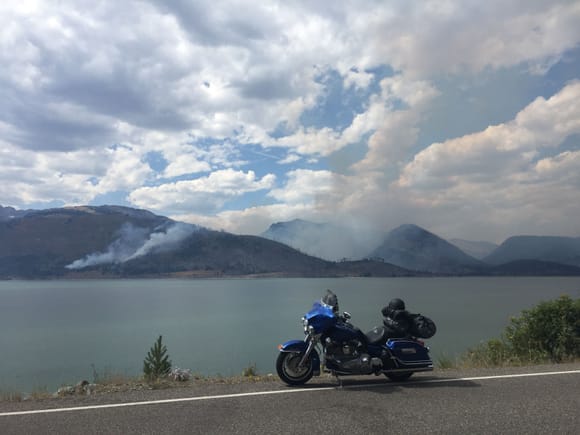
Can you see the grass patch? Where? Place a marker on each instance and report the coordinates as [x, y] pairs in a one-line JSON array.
[[491, 353], [111, 377], [444, 361], [40, 393], [11, 396], [251, 371]]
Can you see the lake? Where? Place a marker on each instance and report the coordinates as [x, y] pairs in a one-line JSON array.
[[55, 332]]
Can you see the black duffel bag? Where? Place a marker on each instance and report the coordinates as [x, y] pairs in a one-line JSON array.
[[422, 326]]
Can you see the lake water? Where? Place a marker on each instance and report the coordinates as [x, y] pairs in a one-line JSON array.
[[54, 332]]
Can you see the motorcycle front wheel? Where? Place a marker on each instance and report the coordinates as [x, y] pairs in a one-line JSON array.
[[287, 366]]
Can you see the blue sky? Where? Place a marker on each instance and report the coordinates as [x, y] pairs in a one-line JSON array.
[[462, 117]]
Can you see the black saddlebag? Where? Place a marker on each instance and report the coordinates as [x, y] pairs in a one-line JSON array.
[[409, 353], [422, 326]]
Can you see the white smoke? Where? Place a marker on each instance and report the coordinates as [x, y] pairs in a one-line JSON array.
[[329, 241], [164, 240], [134, 242]]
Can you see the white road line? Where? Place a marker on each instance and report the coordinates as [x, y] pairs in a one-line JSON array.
[[156, 402], [288, 391]]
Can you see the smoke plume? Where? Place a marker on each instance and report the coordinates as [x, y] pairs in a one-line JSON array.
[[134, 242]]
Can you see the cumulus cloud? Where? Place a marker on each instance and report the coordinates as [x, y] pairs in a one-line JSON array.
[[435, 36], [307, 186], [74, 177], [159, 102], [562, 167], [206, 194], [504, 149]]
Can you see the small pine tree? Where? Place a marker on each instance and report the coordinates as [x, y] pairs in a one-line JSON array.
[[156, 363]]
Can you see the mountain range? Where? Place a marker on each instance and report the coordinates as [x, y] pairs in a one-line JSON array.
[[414, 248], [115, 241]]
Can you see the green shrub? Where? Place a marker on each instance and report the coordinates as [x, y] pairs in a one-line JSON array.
[[550, 331], [156, 363]]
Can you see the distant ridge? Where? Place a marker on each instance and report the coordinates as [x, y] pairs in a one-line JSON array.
[[477, 249], [534, 268], [415, 248], [564, 250]]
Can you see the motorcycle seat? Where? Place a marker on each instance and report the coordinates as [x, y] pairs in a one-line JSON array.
[[377, 335]]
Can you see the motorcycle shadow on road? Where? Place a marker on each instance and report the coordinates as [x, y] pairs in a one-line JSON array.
[[386, 386]]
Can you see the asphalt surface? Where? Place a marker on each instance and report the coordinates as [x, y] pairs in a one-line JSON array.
[[446, 402]]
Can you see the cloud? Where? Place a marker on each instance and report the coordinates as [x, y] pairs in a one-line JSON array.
[[560, 168], [500, 150], [429, 37], [74, 177], [290, 158], [166, 103], [307, 186], [496, 179], [204, 67], [205, 194]]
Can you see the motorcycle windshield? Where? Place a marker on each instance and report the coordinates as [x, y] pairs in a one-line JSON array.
[[319, 309], [320, 317]]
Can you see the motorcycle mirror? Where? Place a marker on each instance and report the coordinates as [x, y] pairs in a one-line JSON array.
[[346, 315]]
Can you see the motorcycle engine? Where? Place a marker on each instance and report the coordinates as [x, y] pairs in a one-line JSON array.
[[350, 357], [342, 351]]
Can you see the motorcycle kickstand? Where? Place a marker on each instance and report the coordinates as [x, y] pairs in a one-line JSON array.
[[337, 379]]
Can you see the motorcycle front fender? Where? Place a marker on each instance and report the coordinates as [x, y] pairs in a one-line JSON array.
[[301, 346]]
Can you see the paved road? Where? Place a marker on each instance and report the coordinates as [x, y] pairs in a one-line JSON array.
[[441, 402]]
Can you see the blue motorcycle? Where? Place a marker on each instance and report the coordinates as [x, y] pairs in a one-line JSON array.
[[346, 350]]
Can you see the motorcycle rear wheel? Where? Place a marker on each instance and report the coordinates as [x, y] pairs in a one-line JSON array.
[[288, 370], [399, 377]]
